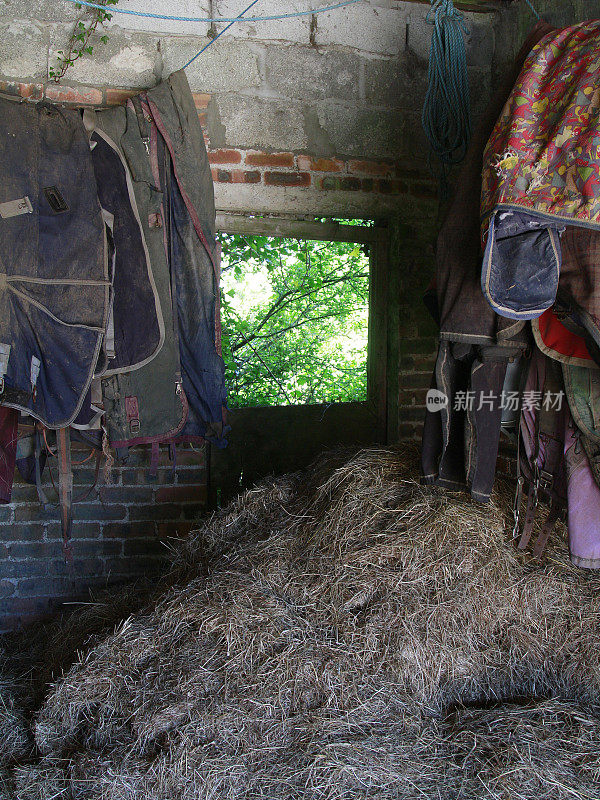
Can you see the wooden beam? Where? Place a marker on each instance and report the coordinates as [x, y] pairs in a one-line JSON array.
[[295, 229]]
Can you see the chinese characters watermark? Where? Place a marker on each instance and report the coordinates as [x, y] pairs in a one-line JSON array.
[[530, 400]]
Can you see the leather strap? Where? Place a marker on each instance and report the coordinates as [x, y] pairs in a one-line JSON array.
[[551, 520], [87, 493], [155, 453], [173, 457], [42, 496], [65, 488], [171, 233], [142, 124], [532, 503]]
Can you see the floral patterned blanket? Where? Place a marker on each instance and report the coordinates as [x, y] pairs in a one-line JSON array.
[[541, 170]]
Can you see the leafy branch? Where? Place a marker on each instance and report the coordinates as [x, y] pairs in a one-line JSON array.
[[295, 317], [79, 42]]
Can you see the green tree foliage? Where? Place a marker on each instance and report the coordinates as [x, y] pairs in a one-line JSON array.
[[295, 320]]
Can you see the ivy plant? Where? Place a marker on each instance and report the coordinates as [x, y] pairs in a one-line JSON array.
[[81, 37]]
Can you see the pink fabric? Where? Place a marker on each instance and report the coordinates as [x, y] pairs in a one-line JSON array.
[[574, 484], [583, 501]]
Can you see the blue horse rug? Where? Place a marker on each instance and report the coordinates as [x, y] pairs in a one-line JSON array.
[[54, 277]]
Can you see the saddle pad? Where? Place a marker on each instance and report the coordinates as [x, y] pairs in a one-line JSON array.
[[136, 325], [54, 287]]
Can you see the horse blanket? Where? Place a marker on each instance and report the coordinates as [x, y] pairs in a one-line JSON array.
[[161, 140], [459, 444], [109, 276], [54, 275], [541, 171], [555, 448]]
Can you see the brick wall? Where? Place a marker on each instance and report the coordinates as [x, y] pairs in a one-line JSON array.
[[120, 531]]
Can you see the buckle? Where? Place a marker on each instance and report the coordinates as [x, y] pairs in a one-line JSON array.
[[545, 480], [517, 506]]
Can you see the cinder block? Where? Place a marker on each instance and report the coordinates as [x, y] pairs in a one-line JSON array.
[[125, 530], [42, 10], [395, 84], [364, 27], [227, 66], [259, 123], [183, 8], [127, 59], [304, 73], [7, 589], [24, 49], [362, 132], [294, 29], [181, 494], [97, 511], [162, 511]]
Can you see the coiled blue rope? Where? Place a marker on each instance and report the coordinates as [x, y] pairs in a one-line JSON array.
[[446, 114]]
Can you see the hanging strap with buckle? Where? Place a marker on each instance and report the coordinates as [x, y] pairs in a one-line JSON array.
[[142, 122], [65, 488], [544, 476], [556, 512]]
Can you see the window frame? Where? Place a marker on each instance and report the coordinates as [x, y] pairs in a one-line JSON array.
[[377, 237]]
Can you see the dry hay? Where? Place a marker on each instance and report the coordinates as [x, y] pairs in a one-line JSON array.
[[39, 654], [543, 750], [315, 639], [15, 739]]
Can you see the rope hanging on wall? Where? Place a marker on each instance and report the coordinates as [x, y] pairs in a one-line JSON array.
[[532, 7], [446, 114]]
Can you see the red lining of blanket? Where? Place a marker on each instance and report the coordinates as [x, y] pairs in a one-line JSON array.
[[560, 339]]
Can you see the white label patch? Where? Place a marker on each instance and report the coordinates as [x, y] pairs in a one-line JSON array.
[[14, 208], [4, 356], [35, 371]]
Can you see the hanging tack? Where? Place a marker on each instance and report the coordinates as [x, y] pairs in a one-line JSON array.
[[109, 462]]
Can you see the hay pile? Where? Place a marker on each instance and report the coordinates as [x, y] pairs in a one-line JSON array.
[[15, 739], [42, 652], [320, 639]]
